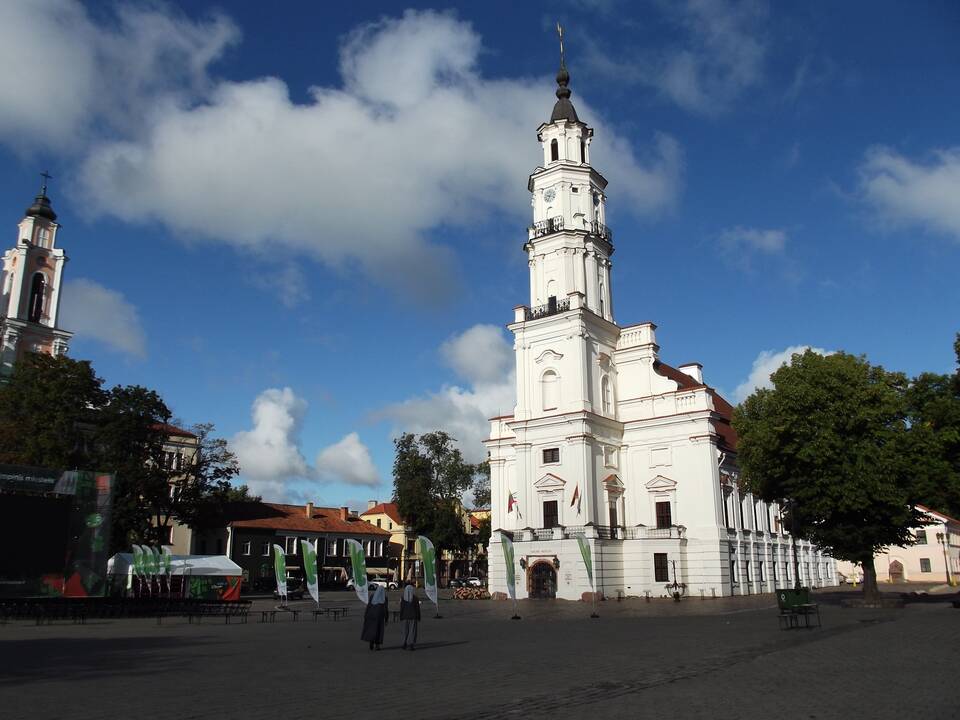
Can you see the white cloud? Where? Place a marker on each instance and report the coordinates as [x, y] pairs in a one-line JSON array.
[[61, 72], [89, 310], [464, 412], [905, 192], [767, 363], [415, 140], [723, 55], [744, 239], [269, 454], [348, 461]]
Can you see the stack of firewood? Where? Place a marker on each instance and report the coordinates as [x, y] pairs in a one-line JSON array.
[[469, 593]]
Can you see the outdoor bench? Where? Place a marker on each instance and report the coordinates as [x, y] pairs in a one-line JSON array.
[[794, 606]]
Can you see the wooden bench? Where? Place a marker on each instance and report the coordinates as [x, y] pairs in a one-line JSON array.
[[794, 606]]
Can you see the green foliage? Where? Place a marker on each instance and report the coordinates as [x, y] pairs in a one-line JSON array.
[[832, 439], [429, 478], [481, 485]]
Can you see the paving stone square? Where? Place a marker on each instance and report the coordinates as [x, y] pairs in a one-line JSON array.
[[722, 658]]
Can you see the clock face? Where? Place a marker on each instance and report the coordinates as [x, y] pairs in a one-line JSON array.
[[549, 195]]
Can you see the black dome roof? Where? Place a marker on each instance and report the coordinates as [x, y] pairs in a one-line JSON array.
[[41, 208]]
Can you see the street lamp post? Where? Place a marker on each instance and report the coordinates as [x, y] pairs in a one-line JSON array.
[[942, 538]]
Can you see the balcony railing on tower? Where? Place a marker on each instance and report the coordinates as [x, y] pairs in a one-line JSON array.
[[546, 227], [598, 228], [553, 307]]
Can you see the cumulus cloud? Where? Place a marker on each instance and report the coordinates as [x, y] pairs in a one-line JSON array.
[[61, 72], [722, 55], [767, 363], [363, 173], [94, 312], [347, 461], [739, 244], [269, 454], [483, 357], [905, 192]]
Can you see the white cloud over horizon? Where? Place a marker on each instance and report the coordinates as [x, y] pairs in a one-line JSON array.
[[273, 464], [483, 357], [95, 312], [906, 192], [738, 245], [767, 363]]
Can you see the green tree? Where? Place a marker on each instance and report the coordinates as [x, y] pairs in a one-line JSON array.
[[429, 479], [831, 441], [481, 485]]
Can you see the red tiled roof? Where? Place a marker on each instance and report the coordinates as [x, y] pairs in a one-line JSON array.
[[169, 429], [938, 512], [678, 376], [275, 516], [728, 435], [389, 509]]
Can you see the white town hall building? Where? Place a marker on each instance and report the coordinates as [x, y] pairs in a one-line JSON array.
[[605, 439]]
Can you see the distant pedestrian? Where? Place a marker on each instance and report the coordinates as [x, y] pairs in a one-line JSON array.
[[410, 614], [375, 617]]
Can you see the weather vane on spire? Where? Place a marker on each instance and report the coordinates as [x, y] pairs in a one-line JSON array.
[[560, 34]]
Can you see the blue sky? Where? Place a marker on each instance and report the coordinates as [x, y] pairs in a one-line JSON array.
[[305, 225]]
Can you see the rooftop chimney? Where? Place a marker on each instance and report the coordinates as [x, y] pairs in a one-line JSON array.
[[309, 509], [694, 370], [344, 513], [371, 504]]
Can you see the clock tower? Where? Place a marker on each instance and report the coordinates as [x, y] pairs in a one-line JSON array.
[[31, 281]]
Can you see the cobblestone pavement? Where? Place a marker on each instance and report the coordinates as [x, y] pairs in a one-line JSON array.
[[722, 658]]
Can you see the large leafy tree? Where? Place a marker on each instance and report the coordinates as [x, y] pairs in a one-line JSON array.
[[429, 479], [832, 441]]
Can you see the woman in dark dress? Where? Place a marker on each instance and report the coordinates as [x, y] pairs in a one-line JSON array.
[[375, 617], [410, 615]]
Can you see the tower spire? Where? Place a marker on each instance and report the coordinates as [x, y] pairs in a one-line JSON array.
[[41, 203], [563, 110]]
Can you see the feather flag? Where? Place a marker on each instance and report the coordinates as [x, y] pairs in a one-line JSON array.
[[280, 571], [310, 568]]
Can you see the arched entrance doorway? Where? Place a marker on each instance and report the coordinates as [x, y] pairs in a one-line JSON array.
[[543, 581], [896, 571]]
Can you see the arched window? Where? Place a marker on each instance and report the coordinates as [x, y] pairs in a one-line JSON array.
[[36, 297], [554, 150], [583, 151], [550, 390], [606, 396]]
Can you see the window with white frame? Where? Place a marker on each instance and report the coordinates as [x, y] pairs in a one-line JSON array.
[[290, 547], [551, 456], [265, 549], [331, 547], [605, 392], [925, 565], [248, 548], [921, 536]]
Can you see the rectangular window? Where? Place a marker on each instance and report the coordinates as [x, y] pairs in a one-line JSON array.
[[551, 455], [614, 520], [551, 515], [664, 517], [265, 549], [378, 522], [773, 566], [921, 536], [247, 548], [760, 570], [291, 546], [344, 548], [726, 509], [661, 572], [925, 565]]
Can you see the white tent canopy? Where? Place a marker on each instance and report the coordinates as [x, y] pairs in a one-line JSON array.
[[193, 565]]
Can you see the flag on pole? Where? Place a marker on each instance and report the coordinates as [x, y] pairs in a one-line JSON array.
[[428, 556], [575, 500], [280, 571], [511, 503], [359, 567], [310, 569], [507, 545], [587, 558]]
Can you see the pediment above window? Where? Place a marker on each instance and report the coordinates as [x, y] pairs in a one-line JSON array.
[[613, 484], [661, 483], [548, 356], [550, 482]]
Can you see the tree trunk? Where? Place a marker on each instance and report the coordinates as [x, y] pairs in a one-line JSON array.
[[871, 593]]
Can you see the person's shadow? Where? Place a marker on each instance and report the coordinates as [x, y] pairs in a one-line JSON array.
[[430, 645]]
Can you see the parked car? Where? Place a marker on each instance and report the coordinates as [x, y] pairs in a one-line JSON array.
[[295, 590], [473, 582], [455, 583], [376, 582]]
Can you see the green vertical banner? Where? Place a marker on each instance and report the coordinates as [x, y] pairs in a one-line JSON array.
[[280, 570], [428, 556], [507, 545], [358, 566], [310, 569], [167, 558], [138, 561], [587, 559]]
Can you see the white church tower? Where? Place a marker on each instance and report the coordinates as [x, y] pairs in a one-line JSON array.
[[31, 282], [606, 441]]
